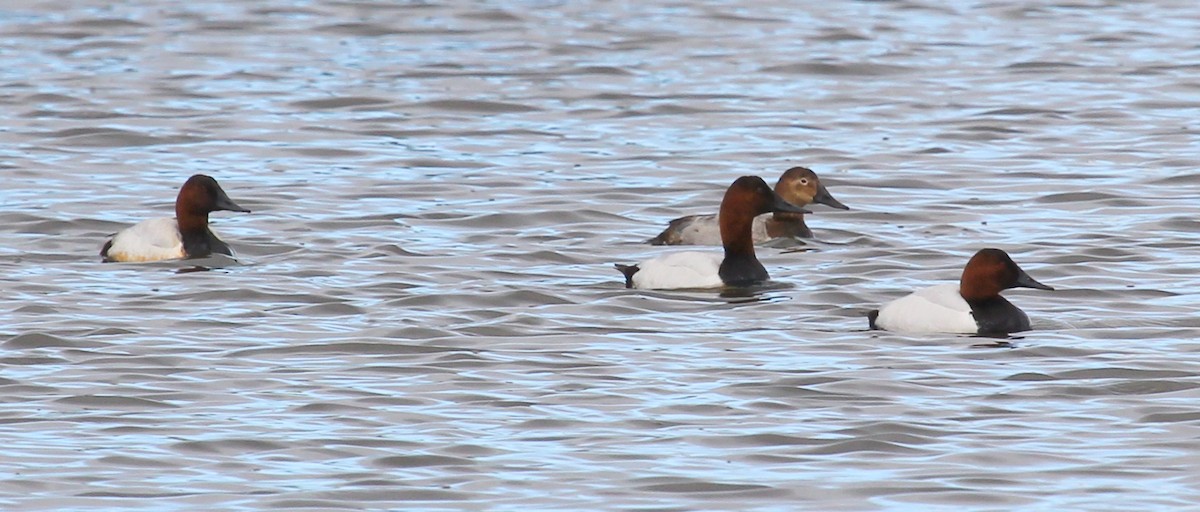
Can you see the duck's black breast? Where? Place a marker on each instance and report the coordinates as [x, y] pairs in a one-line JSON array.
[[998, 316], [742, 271], [204, 244]]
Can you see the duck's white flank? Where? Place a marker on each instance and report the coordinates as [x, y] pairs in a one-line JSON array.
[[149, 240], [689, 269], [936, 309]]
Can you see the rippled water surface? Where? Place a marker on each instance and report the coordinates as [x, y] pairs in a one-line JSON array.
[[424, 313]]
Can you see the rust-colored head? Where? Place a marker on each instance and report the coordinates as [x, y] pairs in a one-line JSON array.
[[198, 197], [750, 196], [991, 271]]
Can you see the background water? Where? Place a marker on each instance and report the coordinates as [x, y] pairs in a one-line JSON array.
[[425, 314]]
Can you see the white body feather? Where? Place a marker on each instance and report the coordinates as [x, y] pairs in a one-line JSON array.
[[149, 240], [680, 270], [936, 309]]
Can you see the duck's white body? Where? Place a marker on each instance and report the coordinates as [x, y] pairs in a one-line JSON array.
[[148, 240], [154, 240], [688, 269], [936, 309]]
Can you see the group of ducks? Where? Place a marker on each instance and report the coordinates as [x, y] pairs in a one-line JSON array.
[[751, 212]]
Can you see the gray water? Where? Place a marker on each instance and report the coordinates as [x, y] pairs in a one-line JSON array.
[[424, 314]]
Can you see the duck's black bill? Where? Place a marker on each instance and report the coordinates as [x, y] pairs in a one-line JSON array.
[[225, 203], [824, 197], [1024, 281]]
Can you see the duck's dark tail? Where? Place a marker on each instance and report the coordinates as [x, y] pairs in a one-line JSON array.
[[104, 251], [871, 317], [629, 271], [672, 235]]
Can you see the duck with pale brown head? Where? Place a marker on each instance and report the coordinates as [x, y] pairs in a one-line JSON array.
[[799, 186]]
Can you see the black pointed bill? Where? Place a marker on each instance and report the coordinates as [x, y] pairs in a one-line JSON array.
[[225, 203], [1024, 281], [824, 197]]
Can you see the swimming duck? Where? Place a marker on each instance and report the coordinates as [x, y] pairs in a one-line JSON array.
[[798, 185], [185, 236], [973, 306], [746, 198]]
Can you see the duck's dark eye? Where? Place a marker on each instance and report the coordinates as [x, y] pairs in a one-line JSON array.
[[804, 181]]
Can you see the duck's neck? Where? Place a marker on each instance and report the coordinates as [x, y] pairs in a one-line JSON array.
[[737, 234], [194, 233], [740, 266], [789, 225], [191, 222], [782, 216]]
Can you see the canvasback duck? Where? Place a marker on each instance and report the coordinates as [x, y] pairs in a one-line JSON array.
[[185, 236], [798, 186], [973, 306], [746, 198]]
